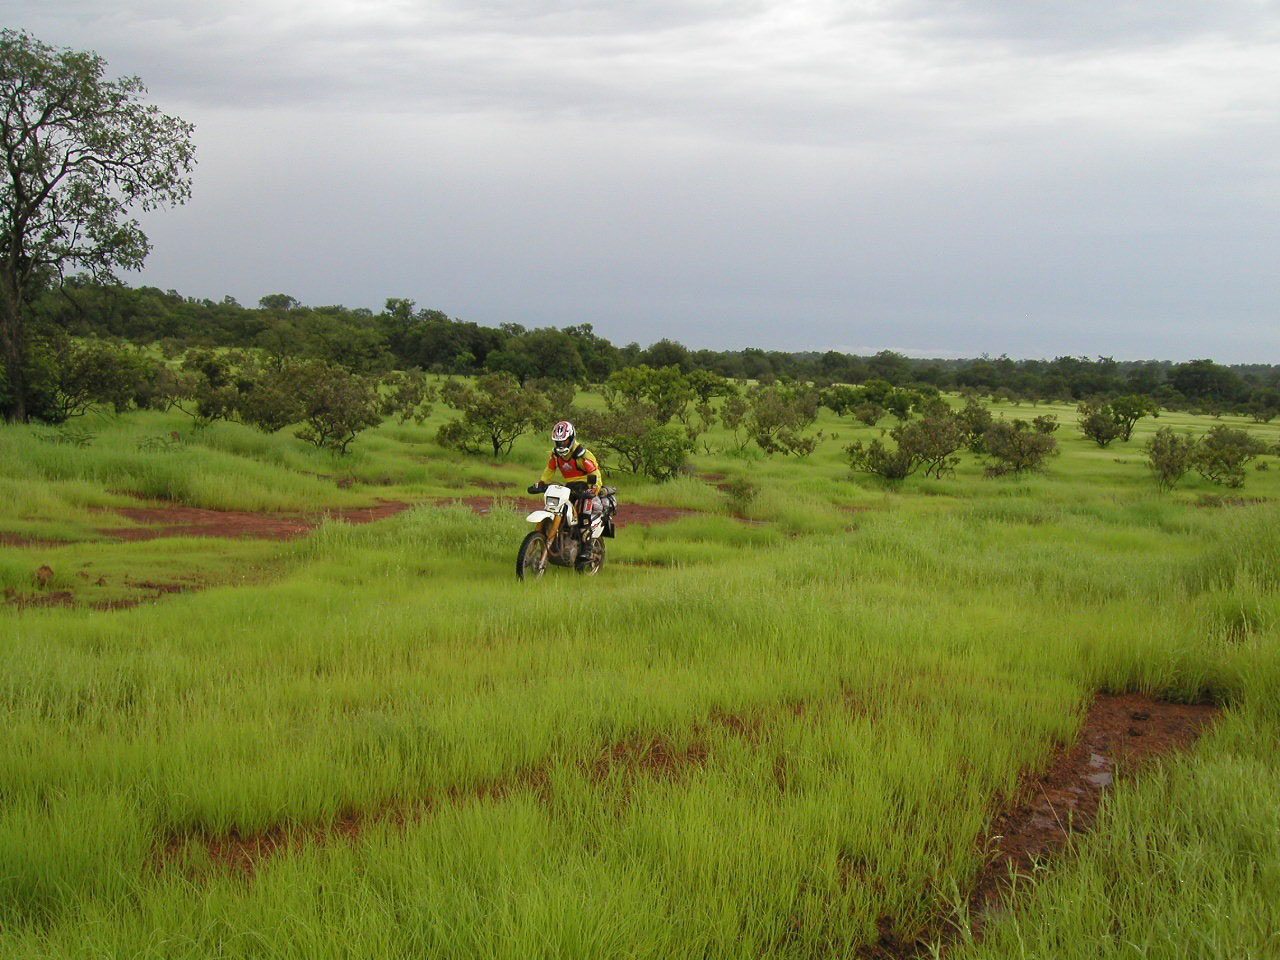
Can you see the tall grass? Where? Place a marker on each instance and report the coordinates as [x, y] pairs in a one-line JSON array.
[[846, 696]]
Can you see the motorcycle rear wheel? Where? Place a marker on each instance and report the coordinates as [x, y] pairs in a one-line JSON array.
[[529, 561], [597, 560]]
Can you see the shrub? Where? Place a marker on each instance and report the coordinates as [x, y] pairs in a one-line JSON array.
[[929, 442], [495, 412], [1170, 456], [778, 415], [869, 413], [408, 395], [876, 458], [741, 493], [1014, 446], [1097, 423], [336, 404], [1222, 453], [976, 420]]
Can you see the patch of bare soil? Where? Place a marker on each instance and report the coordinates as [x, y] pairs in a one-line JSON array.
[[59, 598], [180, 521], [1120, 734]]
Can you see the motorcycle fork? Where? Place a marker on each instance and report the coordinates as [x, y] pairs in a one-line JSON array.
[[551, 536]]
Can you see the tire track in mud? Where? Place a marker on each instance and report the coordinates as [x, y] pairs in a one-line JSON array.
[[1119, 734]]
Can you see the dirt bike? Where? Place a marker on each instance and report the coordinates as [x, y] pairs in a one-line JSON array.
[[559, 537]]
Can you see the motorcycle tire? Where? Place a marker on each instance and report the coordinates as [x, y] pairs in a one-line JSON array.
[[529, 563], [597, 561]]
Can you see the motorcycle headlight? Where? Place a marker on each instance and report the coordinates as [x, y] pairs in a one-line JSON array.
[[552, 502]]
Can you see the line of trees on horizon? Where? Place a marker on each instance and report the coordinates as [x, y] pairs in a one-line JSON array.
[[403, 336]]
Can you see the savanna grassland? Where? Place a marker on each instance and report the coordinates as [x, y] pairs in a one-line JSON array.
[[765, 736]]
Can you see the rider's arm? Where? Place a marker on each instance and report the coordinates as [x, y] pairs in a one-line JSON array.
[[548, 474], [594, 477]]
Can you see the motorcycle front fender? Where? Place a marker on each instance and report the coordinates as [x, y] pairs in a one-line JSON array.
[[539, 515]]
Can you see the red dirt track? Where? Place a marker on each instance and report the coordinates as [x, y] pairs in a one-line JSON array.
[[179, 521], [1121, 733]]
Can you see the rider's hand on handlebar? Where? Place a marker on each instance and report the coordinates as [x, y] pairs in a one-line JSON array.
[[537, 488]]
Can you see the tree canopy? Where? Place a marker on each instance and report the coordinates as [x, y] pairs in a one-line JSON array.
[[80, 152]]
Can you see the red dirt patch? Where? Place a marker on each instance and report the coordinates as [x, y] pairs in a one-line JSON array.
[[179, 521], [59, 598], [1120, 733]]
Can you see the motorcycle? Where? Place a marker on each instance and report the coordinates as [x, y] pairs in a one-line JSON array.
[[560, 535]]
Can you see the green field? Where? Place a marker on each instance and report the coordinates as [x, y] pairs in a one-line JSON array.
[[747, 737]]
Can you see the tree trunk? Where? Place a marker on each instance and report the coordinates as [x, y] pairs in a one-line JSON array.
[[13, 356]]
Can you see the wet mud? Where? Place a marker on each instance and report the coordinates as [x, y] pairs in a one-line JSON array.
[[1121, 733], [179, 521]]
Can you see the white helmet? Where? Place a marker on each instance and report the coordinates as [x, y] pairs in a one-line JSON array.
[[562, 436]]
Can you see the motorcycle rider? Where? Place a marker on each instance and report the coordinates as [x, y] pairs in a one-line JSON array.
[[581, 472]]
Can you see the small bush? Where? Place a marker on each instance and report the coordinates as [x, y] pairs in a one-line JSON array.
[[741, 493], [1170, 456], [1222, 454], [1097, 423], [1014, 446]]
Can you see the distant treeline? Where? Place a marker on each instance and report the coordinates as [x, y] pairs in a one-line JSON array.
[[402, 336]]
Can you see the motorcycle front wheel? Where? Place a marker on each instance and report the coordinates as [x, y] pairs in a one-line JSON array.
[[529, 561]]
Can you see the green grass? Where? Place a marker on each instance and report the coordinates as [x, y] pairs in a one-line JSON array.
[[889, 671]]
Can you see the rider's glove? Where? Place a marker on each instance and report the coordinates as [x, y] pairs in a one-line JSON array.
[[537, 488]]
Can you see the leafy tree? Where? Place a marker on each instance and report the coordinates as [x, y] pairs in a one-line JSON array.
[[841, 398], [79, 152], [930, 442], [899, 402], [977, 420], [408, 395], [1205, 380], [668, 353], [1222, 453], [548, 353], [666, 389], [1170, 455], [1014, 446], [876, 458], [869, 413], [282, 301], [78, 376], [1129, 409], [634, 430], [1263, 404], [779, 414], [496, 412], [337, 405], [708, 385], [1097, 423], [734, 413], [1046, 423]]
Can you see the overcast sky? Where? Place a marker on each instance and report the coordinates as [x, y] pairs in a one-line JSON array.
[[941, 178]]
